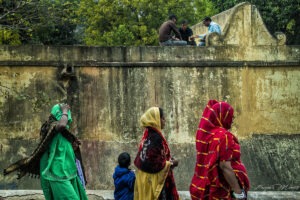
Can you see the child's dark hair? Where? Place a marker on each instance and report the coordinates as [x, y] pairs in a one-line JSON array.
[[124, 160]]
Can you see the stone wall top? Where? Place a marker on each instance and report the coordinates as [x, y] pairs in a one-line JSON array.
[[229, 55]]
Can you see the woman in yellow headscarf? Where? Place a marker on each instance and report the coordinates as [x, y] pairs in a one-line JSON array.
[[154, 178]]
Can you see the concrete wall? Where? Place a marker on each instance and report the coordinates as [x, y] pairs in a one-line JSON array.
[[110, 88], [107, 102]]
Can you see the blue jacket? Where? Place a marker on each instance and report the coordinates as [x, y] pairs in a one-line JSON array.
[[124, 183]]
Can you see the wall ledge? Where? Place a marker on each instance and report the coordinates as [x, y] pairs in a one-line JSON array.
[[153, 64], [108, 195], [38, 55]]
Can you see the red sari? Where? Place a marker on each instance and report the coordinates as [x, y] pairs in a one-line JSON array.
[[214, 144]]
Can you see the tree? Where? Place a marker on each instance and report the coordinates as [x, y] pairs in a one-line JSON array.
[[123, 22], [278, 15], [9, 33], [204, 8], [38, 21], [57, 23], [134, 22], [93, 22]]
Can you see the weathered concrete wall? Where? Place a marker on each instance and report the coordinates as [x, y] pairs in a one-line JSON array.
[[263, 98], [108, 101], [111, 87]]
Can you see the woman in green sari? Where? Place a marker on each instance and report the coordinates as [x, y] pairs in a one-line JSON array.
[[58, 171], [54, 159]]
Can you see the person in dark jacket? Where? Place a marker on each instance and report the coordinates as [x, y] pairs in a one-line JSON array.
[[186, 33], [124, 178]]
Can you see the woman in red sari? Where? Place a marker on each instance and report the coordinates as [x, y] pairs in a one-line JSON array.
[[219, 172]]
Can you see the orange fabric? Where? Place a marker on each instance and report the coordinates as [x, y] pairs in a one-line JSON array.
[[214, 143]]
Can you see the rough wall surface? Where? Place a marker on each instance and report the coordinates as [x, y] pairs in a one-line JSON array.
[[242, 25], [109, 88], [108, 101]]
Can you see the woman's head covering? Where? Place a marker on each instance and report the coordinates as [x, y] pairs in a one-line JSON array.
[[151, 118], [56, 112], [216, 114]]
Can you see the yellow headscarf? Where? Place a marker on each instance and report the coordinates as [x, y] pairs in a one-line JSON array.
[[151, 118]]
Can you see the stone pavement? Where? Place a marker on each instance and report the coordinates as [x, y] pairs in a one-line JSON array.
[[108, 195]]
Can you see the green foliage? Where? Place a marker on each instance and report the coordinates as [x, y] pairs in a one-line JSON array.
[[123, 22], [278, 15], [9, 37], [38, 21], [135, 22], [204, 8], [57, 23], [119, 35]]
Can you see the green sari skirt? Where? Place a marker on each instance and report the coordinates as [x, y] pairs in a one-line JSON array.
[[59, 179]]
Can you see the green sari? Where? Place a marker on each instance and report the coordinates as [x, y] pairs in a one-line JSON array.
[[59, 179]]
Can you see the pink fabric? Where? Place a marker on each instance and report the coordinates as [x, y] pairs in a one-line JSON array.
[[214, 143]]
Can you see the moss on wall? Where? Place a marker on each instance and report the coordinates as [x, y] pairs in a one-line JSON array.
[[110, 88]]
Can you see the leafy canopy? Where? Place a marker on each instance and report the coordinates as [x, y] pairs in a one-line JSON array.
[[123, 22], [38, 21], [135, 22]]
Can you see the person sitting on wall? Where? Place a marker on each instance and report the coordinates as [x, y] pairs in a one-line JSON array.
[[165, 37], [212, 28], [186, 33]]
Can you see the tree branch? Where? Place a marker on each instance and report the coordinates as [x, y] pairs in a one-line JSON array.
[[20, 5]]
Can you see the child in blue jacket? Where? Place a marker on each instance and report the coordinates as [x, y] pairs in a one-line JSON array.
[[124, 178]]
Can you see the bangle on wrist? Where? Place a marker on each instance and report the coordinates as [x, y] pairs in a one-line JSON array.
[[65, 114], [239, 196]]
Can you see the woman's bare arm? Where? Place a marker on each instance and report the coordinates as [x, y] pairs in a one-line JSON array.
[[62, 123], [230, 176]]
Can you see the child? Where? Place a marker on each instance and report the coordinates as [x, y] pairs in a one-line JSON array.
[[124, 178]]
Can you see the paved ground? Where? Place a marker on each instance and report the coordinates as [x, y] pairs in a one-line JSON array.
[[108, 195]]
